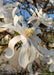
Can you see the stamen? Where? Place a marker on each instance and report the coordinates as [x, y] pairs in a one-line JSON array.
[[29, 33]]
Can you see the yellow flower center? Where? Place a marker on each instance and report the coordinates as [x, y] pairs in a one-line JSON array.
[[29, 33]]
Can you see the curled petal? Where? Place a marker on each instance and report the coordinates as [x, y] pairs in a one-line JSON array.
[[9, 53], [10, 49], [13, 41], [51, 68]]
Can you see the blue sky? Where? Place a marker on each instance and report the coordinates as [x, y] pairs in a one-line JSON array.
[[51, 15]]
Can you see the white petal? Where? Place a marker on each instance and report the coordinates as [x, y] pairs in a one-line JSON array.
[[31, 19], [11, 5], [39, 13], [46, 52], [51, 68], [51, 60], [15, 19], [1, 3], [10, 50], [40, 49], [33, 52], [14, 40], [11, 27], [35, 40], [15, 10], [18, 18], [38, 31], [44, 15], [8, 20], [30, 69], [9, 53], [1, 24], [1, 15], [44, 22], [36, 24], [24, 55], [32, 11]]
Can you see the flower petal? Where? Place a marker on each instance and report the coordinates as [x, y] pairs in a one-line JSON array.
[[51, 60], [46, 52], [1, 24], [38, 31], [31, 19], [32, 52], [1, 3], [40, 49], [35, 40], [24, 55], [18, 18], [32, 11], [51, 68], [9, 53], [15, 10], [1, 14], [10, 49], [11, 27], [30, 69], [36, 24]]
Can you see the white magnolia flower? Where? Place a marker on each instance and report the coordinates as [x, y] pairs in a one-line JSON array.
[[28, 38], [41, 18], [48, 55], [52, 1], [7, 13]]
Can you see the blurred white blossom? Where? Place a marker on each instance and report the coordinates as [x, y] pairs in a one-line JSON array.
[[28, 38]]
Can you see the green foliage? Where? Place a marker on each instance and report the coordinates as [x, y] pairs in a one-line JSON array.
[[0, 42], [47, 72]]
